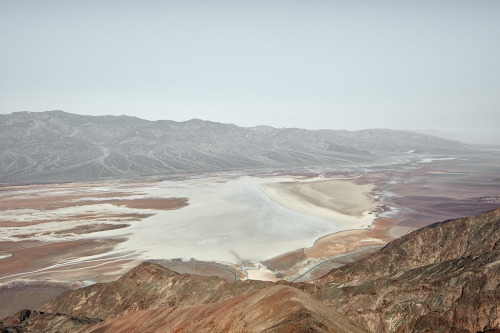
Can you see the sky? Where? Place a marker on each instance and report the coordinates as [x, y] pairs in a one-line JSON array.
[[428, 64]]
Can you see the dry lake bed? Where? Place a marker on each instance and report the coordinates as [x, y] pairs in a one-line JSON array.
[[269, 225]]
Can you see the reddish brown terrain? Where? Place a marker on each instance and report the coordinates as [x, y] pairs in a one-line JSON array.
[[445, 276], [441, 278], [413, 196], [40, 255], [403, 289], [446, 189]]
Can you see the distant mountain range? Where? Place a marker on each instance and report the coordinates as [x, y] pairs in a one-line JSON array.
[[478, 138], [59, 146], [442, 278]]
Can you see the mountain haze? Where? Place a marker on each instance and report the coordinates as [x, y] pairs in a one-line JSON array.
[[59, 146]]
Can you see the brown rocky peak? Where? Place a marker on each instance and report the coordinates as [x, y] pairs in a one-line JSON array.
[[147, 270], [147, 286], [149, 298], [275, 308], [441, 278], [438, 242], [444, 277]]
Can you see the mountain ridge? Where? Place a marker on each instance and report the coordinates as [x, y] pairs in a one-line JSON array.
[[443, 278], [446, 273], [56, 146]]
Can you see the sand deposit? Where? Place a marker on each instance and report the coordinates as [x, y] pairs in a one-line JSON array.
[[230, 218], [237, 221]]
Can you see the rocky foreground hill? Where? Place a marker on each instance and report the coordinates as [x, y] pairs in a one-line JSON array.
[[441, 278], [57, 146]]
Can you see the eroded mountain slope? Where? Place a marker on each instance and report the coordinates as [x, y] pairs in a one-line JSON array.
[[445, 275], [151, 298], [441, 278], [58, 146], [274, 308], [148, 286]]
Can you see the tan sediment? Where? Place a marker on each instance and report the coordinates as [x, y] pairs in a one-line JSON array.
[[223, 270], [342, 200], [49, 201], [261, 273], [10, 246], [51, 251], [8, 224], [346, 202], [151, 203], [40, 256], [56, 202], [127, 217], [326, 199], [355, 244], [89, 228], [285, 261], [101, 271], [31, 296], [350, 240]]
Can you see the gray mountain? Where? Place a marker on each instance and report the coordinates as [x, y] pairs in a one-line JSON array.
[[57, 146]]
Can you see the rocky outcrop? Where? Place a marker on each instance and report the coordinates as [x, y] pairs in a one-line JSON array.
[[442, 278], [37, 321], [274, 308], [148, 286], [151, 298], [445, 276]]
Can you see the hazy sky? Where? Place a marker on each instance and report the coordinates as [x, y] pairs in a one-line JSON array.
[[310, 64]]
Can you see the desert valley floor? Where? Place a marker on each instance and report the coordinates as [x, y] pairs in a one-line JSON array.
[[293, 224]]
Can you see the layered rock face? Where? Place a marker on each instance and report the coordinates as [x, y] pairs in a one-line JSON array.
[[444, 277], [441, 278]]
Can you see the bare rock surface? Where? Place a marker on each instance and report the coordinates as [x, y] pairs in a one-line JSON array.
[[148, 286], [441, 278], [445, 275], [151, 298], [38, 321], [274, 308]]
